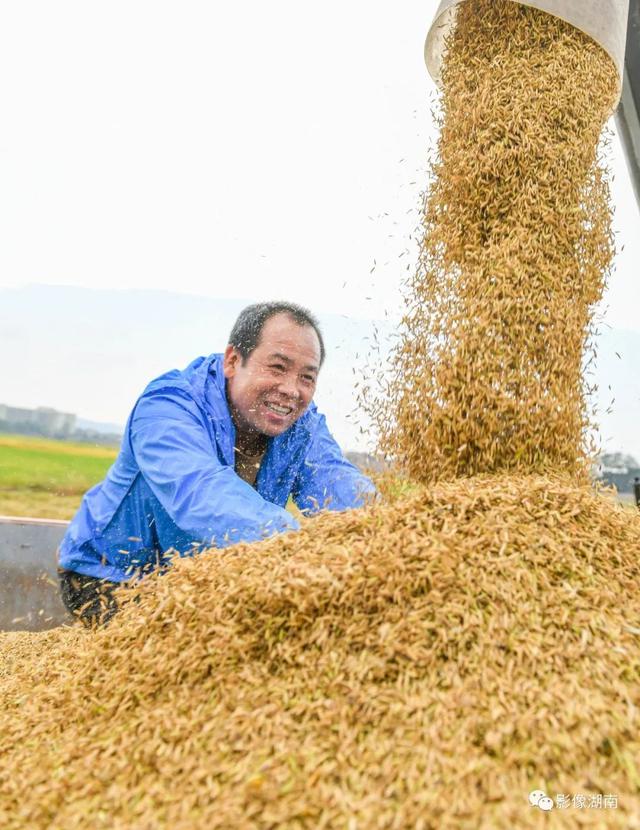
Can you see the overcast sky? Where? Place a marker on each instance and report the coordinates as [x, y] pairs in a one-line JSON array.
[[243, 149]]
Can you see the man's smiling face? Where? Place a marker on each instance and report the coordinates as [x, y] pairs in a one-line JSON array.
[[275, 384]]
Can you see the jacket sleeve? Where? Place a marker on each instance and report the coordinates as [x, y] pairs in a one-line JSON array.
[[203, 496], [327, 481]]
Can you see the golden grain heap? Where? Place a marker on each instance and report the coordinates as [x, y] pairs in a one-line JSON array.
[[516, 248], [427, 661], [421, 664]]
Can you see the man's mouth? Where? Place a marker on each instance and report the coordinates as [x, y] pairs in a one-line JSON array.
[[279, 409]]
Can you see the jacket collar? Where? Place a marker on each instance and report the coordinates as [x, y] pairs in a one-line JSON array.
[[202, 371]]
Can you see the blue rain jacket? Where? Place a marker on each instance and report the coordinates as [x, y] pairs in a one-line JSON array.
[[173, 486]]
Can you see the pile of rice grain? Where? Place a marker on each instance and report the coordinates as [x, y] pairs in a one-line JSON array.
[[517, 245], [421, 664], [426, 662]]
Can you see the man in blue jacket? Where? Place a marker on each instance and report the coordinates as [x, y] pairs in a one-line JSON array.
[[210, 457]]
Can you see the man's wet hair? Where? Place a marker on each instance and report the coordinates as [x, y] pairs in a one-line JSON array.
[[245, 334]]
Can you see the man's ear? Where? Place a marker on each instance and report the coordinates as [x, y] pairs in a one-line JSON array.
[[230, 361]]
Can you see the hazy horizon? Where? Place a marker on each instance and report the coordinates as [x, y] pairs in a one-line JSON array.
[[91, 352]]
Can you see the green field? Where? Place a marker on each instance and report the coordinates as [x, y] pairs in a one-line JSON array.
[[45, 478]]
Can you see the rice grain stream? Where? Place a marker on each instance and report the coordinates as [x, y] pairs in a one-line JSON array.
[[517, 244]]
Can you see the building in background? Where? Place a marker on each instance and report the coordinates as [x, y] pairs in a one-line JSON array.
[[50, 423], [618, 470], [41, 421]]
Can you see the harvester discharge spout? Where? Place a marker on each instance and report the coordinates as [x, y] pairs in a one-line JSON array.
[[614, 24]]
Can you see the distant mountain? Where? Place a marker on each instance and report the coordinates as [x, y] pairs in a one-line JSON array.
[[100, 427], [93, 351]]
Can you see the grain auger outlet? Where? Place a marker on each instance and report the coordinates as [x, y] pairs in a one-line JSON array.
[[614, 24]]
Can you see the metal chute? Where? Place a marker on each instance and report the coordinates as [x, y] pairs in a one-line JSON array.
[[628, 112], [603, 20], [614, 24]]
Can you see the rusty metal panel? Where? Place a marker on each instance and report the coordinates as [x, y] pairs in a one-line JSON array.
[[29, 591]]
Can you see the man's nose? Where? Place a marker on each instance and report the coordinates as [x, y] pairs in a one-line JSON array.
[[289, 386]]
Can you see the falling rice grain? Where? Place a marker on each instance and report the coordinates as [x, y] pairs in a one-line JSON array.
[[517, 245]]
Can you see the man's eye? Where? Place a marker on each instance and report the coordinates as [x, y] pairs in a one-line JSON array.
[[308, 379], [278, 367]]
